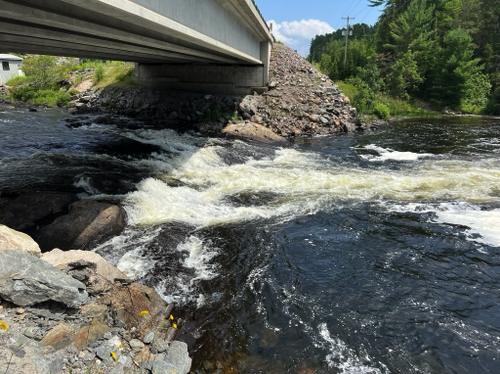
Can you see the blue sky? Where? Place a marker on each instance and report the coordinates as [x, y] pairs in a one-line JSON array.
[[296, 22]]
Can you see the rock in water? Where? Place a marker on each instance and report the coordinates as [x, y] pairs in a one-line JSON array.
[[26, 280], [24, 211], [254, 131], [88, 222]]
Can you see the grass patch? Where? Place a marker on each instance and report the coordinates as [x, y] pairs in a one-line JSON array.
[[16, 81], [347, 89], [115, 72]]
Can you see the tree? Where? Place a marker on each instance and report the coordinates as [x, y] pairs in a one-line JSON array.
[[456, 70], [42, 71]]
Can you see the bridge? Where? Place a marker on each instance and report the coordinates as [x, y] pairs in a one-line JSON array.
[[219, 46]]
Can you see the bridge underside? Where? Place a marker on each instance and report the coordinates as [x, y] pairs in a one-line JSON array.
[[167, 53]]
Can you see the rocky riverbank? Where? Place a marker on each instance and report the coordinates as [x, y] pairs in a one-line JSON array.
[[72, 312], [300, 101]]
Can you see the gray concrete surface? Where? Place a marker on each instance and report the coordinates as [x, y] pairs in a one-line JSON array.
[[208, 32]]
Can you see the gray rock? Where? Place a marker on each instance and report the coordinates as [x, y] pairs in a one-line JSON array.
[[103, 352], [148, 365], [34, 332], [349, 127], [162, 367], [148, 337], [178, 356], [26, 280], [136, 344], [118, 369], [159, 345], [125, 361], [323, 120]]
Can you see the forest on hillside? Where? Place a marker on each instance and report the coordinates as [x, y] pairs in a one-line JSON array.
[[443, 52]]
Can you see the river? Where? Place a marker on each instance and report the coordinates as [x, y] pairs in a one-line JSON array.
[[362, 253]]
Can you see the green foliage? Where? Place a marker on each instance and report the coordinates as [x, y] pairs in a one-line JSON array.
[[99, 73], [31, 94], [17, 81], [45, 77], [364, 96], [404, 76], [381, 110], [40, 86], [43, 71], [454, 71], [475, 93], [123, 74], [493, 105], [446, 52], [348, 89]]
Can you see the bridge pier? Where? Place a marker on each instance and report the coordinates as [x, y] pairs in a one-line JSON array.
[[226, 79]]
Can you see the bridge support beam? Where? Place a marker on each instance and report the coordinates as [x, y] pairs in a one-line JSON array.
[[216, 79], [210, 78]]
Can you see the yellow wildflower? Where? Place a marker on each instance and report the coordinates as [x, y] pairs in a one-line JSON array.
[[144, 312], [120, 346], [171, 317], [174, 325], [113, 354], [3, 325]]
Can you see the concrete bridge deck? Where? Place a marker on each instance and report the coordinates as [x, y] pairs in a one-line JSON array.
[[206, 45]]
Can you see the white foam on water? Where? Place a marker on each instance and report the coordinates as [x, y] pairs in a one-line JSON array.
[[302, 182], [390, 154], [134, 263], [199, 256], [341, 357], [484, 225], [84, 183], [167, 139]]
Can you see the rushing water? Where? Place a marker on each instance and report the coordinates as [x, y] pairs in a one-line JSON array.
[[364, 253]]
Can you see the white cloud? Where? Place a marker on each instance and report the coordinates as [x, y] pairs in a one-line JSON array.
[[298, 34]]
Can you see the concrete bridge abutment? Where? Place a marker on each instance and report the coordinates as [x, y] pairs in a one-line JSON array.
[[209, 78]]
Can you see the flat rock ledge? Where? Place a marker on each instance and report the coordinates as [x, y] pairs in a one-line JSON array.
[[72, 312]]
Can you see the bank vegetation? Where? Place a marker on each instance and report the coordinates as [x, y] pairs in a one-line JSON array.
[[445, 53], [50, 80]]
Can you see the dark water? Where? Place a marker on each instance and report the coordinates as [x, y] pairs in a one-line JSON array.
[[367, 253]]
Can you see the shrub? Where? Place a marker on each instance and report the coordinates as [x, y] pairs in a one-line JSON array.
[[381, 111], [43, 71], [31, 94], [16, 81], [99, 73], [23, 93]]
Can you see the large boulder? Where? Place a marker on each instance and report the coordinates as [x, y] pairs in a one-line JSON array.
[[86, 266], [87, 223], [26, 210], [26, 280], [254, 131], [12, 239]]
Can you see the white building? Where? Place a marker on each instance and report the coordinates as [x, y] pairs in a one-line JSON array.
[[10, 67]]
